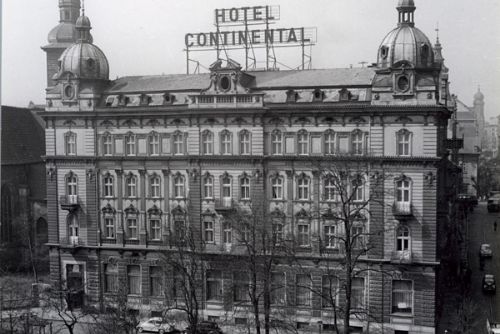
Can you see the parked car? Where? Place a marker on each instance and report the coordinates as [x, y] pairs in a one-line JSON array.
[[489, 284], [204, 327], [493, 204], [156, 325], [485, 251]]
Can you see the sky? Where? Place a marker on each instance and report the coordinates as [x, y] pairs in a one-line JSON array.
[[146, 37]]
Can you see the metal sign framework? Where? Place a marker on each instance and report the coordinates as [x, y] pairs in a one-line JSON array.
[[256, 34]]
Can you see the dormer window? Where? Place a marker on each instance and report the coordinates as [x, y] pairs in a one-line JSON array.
[[403, 83], [224, 83], [318, 95], [384, 52], [291, 96], [425, 53], [69, 92]]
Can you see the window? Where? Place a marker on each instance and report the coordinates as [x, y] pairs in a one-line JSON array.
[[303, 290], [276, 143], [214, 285], [178, 143], [109, 227], [277, 188], [244, 142], [329, 189], [156, 281], [330, 235], [244, 233], [108, 186], [179, 230], [303, 142], [303, 188], [245, 188], [277, 288], [71, 185], [208, 230], [403, 239], [240, 286], [357, 236], [403, 143], [179, 186], [130, 144], [134, 280], [111, 278], [155, 186], [208, 187], [303, 234], [154, 144], [179, 285], [107, 144], [155, 229], [402, 296], [403, 191], [70, 143], [226, 187], [132, 228], [278, 233], [73, 226], [329, 142], [358, 293], [131, 186], [207, 142], [227, 232], [357, 143], [329, 290], [226, 143], [357, 189]]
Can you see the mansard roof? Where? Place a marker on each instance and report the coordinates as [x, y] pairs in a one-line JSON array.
[[340, 77]]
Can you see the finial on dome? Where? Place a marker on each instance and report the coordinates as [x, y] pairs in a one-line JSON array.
[[437, 32], [406, 10], [83, 7], [83, 27]]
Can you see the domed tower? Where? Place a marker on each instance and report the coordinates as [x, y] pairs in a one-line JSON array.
[[83, 70], [61, 36], [479, 109], [405, 52]]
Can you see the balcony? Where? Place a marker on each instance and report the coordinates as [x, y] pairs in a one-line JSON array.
[[401, 257], [402, 210], [69, 202], [225, 204], [71, 242]]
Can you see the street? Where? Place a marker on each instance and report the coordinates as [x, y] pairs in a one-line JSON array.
[[481, 230]]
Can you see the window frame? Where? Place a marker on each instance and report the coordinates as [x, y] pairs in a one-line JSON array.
[[209, 231], [329, 189], [226, 186], [131, 187], [329, 140], [178, 143], [179, 185], [208, 187], [330, 238], [110, 278], [241, 286], [303, 235], [280, 187], [109, 227], [333, 283], [227, 233], [137, 291], [357, 142], [70, 143], [302, 142], [108, 186], [361, 290], [245, 188], [72, 184], [154, 144], [278, 288], [216, 280], [130, 144], [226, 142], [156, 280], [304, 300], [155, 186], [395, 308], [303, 188], [107, 146], [135, 227], [207, 142], [154, 229], [276, 142], [403, 239], [245, 142]]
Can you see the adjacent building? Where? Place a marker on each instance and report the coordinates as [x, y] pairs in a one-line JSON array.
[[132, 163]]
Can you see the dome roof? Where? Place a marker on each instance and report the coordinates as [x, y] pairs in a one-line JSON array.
[[84, 61], [406, 3], [83, 22], [479, 95], [64, 32]]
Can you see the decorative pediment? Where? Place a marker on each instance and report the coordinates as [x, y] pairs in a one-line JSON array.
[[177, 122], [208, 212], [345, 95], [154, 211], [277, 213], [302, 214], [211, 121], [108, 210], [178, 211], [153, 122], [329, 214], [129, 122], [357, 120], [403, 120], [227, 78], [107, 123], [239, 121], [69, 123], [131, 210], [329, 120], [276, 121], [302, 121]]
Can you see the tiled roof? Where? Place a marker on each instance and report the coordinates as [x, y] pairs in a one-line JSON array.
[[23, 137], [263, 80]]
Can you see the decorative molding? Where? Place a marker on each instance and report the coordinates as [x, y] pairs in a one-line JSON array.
[[129, 122], [178, 211], [108, 209], [276, 121], [177, 122], [153, 122], [154, 211], [131, 210], [403, 120]]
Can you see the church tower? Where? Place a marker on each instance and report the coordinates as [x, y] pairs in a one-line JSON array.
[[61, 36], [479, 111]]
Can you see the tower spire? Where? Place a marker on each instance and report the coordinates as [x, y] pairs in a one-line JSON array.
[[406, 10]]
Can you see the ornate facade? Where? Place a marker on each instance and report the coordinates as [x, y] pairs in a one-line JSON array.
[[132, 162]]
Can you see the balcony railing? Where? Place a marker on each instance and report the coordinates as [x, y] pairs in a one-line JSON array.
[[402, 209], [69, 202], [71, 241], [224, 204], [402, 257]]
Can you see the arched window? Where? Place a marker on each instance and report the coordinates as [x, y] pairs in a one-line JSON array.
[[245, 142], [226, 142], [131, 186], [130, 144], [329, 140], [179, 186], [245, 188], [108, 185], [208, 187], [154, 143], [276, 142], [155, 189], [303, 184], [403, 239], [107, 144], [357, 139], [207, 142], [277, 187], [403, 142], [303, 142], [70, 143]]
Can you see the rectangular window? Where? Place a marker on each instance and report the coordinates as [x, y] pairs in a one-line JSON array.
[[329, 190], [357, 143], [245, 143], [156, 281], [303, 290], [132, 228], [214, 285], [303, 234], [330, 236], [245, 188], [403, 191], [109, 226], [154, 144], [315, 144], [155, 229], [155, 187], [357, 236], [276, 143], [303, 143], [208, 227], [179, 230], [303, 188], [343, 141], [130, 145], [178, 143], [142, 146], [329, 290], [278, 233], [403, 138], [227, 233], [208, 187], [240, 286], [131, 189], [207, 139], [358, 293], [277, 188], [107, 145], [108, 186], [289, 145], [111, 278], [278, 288], [134, 280], [402, 296], [329, 143], [70, 143], [226, 141], [179, 187], [119, 146]]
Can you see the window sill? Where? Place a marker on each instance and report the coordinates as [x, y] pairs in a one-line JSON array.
[[402, 314], [277, 200]]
